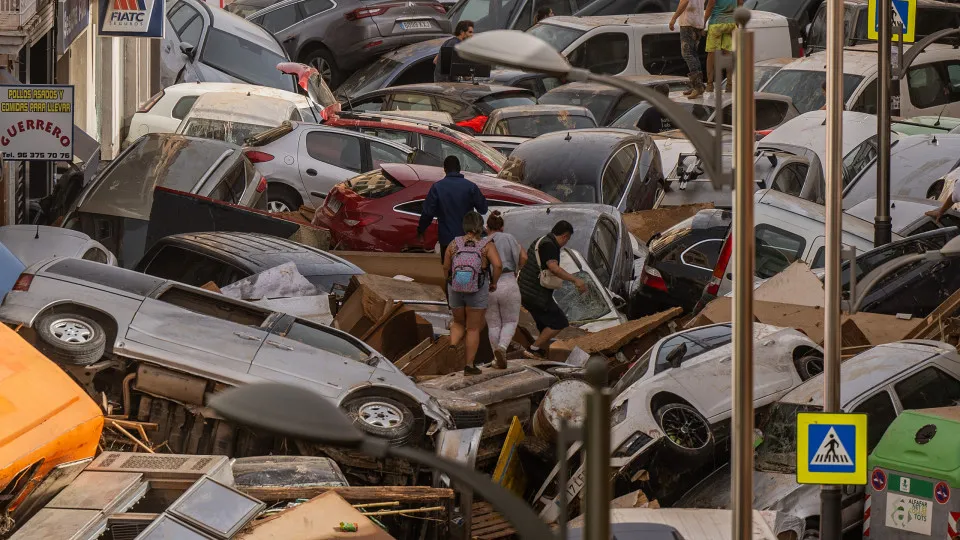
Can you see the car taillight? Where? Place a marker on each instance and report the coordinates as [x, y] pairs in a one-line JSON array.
[[763, 133], [256, 156], [23, 283], [652, 278], [476, 123], [440, 9], [262, 186], [364, 12], [148, 104], [361, 219], [713, 287]]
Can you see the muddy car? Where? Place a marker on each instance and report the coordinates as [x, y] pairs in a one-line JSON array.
[[674, 402], [881, 383], [157, 348]]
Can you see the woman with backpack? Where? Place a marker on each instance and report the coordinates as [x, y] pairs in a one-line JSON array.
[[503, 312], [472, 267]]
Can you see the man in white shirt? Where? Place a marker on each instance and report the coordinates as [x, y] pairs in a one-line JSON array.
[[690, 13]]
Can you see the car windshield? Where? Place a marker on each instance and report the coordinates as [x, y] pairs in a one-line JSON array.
[[222, 130], [778, 453], [598, 103], [488, 152], [559, 37], [372, 77], [634, 374], [762, 74], [804, 87], [244, 60], [581, 308], [485, 14], [536, 125], [245, 10]]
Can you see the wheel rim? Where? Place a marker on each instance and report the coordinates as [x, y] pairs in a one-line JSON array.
[[71, 331], [684, 428], [321, 65], [277, 206], [381, 414]]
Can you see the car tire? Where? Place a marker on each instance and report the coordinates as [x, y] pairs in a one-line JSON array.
[[71, 339], [466, 417], [686, 431], [382, 417], [280, 199], [322, 60], [809, 366]]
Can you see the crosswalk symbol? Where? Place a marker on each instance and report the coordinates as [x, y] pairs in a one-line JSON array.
[[831, 448]]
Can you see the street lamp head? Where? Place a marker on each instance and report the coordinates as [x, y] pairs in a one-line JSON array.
[[288, 410], [513, 49]]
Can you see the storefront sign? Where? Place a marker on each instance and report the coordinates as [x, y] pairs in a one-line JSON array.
[[131, 18], [36, 122], [74, 19]]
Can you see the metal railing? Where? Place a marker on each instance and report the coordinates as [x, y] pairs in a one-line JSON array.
[[14, 14]]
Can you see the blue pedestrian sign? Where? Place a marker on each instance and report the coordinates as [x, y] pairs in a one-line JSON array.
[[831, 448], [904, 13]]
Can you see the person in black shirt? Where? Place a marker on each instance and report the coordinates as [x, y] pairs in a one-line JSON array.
[[652, 120], [441, 70]]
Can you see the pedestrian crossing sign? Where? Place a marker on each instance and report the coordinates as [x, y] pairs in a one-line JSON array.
[[831, 448], [904, 13]]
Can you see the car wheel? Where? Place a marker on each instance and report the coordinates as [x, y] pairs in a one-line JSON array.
[[322, 61], [382, 417], [282, 200], [70, 338], [687, 431], [809, 366]]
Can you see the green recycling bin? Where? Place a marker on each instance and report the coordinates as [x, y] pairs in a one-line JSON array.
[[914, 473]]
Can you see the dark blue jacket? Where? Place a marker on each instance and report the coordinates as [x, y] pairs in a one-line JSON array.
[[449, 200]]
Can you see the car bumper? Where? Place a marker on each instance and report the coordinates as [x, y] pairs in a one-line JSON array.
[[362, 52], [649, 300]]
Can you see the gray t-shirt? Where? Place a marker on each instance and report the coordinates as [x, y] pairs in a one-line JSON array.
[[509, 250]]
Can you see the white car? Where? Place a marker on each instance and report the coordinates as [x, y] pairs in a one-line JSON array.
[[234, 118], [679, 390], [163, 112]]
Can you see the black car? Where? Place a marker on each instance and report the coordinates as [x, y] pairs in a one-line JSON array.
[[605, 102], [338, 37], [681, 260], [520, 14], [617, 167], [225, 257], [469, 104]]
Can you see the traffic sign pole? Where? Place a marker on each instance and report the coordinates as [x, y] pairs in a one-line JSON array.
[[882, 223]]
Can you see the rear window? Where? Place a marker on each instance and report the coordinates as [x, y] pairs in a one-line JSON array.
[[244, 60], [536, 125], [108, 276], [373, 185], [498, 101], [804, 87], [372, 77], [232, 132], [597, 103], [559, 37]]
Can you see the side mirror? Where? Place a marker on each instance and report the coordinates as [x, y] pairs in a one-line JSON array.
[[676, 355], [187, 49], [618, 301]]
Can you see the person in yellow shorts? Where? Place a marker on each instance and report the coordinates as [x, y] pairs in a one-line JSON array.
[[718, 16]]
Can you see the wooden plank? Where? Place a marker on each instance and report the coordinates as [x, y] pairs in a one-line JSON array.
[[354, 494], [413, 353]]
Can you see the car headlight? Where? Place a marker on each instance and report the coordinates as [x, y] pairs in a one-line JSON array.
[[632, 445], [619, 413]]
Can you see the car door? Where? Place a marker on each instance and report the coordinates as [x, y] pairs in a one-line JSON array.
[[616, 177], [692, 268], [607, 53], [280, 22], [326, 158], [197, 326], [183, 24], [299, 351], [881, 411], [377, 153]]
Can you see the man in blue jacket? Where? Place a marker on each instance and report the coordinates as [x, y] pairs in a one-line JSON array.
[[449, 200]]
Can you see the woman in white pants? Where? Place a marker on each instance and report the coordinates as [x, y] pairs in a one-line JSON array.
[[503, 308]]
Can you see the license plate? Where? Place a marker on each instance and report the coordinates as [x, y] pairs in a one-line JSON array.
[[908, 513], [416, 25], [334, 204]]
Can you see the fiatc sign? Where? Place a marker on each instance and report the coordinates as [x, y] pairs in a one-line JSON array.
[[131, 18], [36, 122]]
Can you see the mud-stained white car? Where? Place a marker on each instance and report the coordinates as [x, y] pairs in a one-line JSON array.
[[676, 397]]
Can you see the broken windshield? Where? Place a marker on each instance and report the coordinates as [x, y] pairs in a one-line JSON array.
[[581, 308], [778, 453], [222, 130]]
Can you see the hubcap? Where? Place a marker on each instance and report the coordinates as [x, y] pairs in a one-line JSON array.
[[277, 206], [381, 415], [684, 428], [323, 67], [71, 331]]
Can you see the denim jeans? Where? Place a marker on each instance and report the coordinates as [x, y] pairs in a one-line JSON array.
[[689, 42]]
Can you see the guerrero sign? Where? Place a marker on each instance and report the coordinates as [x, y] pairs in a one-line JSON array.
[[36, 122], [131, 18]]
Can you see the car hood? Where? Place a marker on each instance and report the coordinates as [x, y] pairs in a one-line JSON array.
[[771, 491]]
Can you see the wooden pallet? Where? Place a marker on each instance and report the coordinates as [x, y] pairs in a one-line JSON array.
[[489, 525]]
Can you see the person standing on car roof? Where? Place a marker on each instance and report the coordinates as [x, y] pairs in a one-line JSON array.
[[539, 278], [652, 120], [449, 200], [472, 269], [503, 310], [443, 59], [720, 26], [690, 14]]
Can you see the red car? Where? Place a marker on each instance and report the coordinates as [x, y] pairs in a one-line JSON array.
[[380, 210], [434, 139]]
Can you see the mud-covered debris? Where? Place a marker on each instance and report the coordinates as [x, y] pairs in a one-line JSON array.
[[282, 281]]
